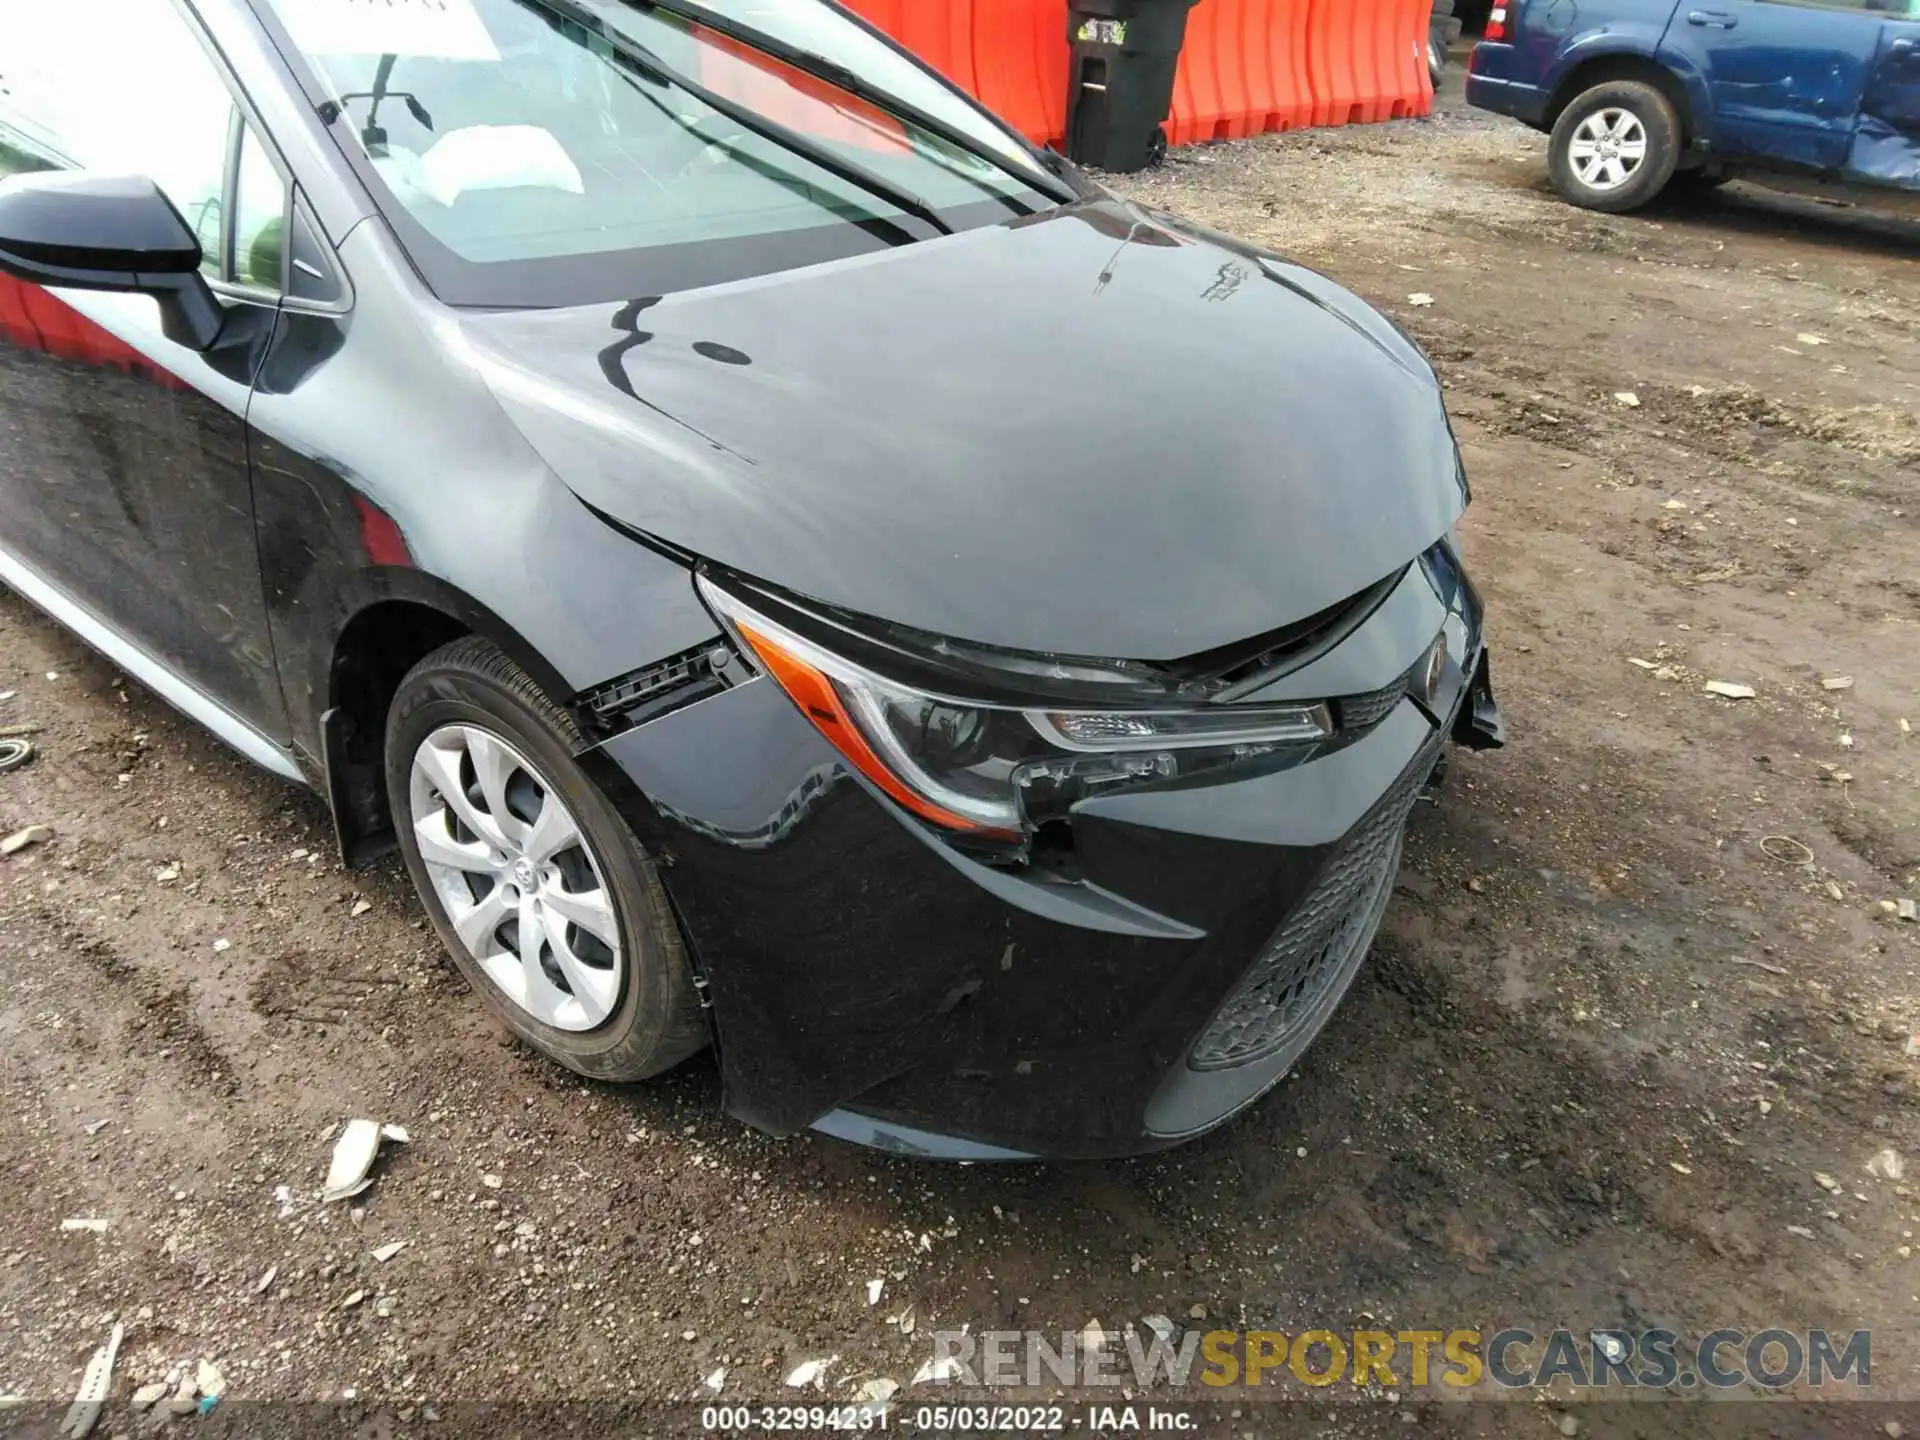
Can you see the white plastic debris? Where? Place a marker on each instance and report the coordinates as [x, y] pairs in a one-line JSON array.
[[95, 1381], [1808, 338], [360, 907], [222, 945], [209, 1381], [878, 1392], [1420, 299], [811, 1372], [1906, 909], [1837, 682], [717, 1379], [93, 1224], [21, 839], [1730, 690], [492, 1182], [1887, 1165], [94, 1127], [183, 1401], [874, 1290], [353, 1157], [388, 1251], [265, 1282], [1627, 398], [352, 1300]]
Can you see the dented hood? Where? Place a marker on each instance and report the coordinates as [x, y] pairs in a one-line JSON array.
[[1092, 431]]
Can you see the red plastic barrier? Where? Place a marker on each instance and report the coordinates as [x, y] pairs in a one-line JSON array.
[[1242, 71], [1368, 62], [794, 98], [1011, 54], [1248, 66]]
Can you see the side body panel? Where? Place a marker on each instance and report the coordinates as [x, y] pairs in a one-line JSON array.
[[370, 425], [124, 483], [1886, 142], [1784, 77]]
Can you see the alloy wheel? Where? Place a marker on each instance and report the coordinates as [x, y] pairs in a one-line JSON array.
[[517, 877], [1607, 149]]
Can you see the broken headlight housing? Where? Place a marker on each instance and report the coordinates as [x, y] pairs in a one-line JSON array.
[[993, 744]]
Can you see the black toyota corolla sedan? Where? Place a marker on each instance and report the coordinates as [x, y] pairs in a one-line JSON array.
[[788, 563]]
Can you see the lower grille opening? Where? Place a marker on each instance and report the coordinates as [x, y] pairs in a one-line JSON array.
[[1317, 945]]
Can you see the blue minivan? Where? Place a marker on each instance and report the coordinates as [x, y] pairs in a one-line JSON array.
[[1642, 94]]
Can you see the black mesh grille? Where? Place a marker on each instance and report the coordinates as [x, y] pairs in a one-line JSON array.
[[1314, 948], [1362, 712]]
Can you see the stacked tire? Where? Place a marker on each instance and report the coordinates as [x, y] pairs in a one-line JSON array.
[[1442, 30]]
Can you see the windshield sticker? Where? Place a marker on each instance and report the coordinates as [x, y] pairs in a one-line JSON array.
[[428, 29]]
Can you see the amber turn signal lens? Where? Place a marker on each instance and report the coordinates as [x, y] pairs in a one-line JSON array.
[[814, 693]]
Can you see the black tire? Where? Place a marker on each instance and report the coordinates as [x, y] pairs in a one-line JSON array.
[[657, 1021], [1436, 56], [1657, 120]]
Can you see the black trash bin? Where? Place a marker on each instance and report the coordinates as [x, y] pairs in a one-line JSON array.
[[1125, 53]]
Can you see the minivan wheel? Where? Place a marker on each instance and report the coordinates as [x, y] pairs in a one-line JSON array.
[[542, 895], [1615, 147]]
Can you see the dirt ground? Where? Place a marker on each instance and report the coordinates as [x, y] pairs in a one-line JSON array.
[[1611, 1034]]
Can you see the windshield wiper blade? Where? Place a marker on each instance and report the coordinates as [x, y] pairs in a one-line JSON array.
[[820, 67], [747, 118]]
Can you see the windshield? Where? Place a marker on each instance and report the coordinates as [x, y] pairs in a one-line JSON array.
[[527, 154]]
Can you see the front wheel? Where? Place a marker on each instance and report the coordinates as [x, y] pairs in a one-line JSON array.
[[541, 893], [1615, 147]]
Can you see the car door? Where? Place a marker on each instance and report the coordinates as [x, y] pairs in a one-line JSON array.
[[1886, 142], [1784, 76], [125, 501]]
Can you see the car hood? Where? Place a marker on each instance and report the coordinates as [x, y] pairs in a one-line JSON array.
[[1094, 431]]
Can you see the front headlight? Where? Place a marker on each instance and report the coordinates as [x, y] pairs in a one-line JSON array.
[[998, 770]]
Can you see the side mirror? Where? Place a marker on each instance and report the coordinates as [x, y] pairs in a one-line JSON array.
[[108, 232]]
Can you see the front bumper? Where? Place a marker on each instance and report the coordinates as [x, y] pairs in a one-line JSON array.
[[871, 981]]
